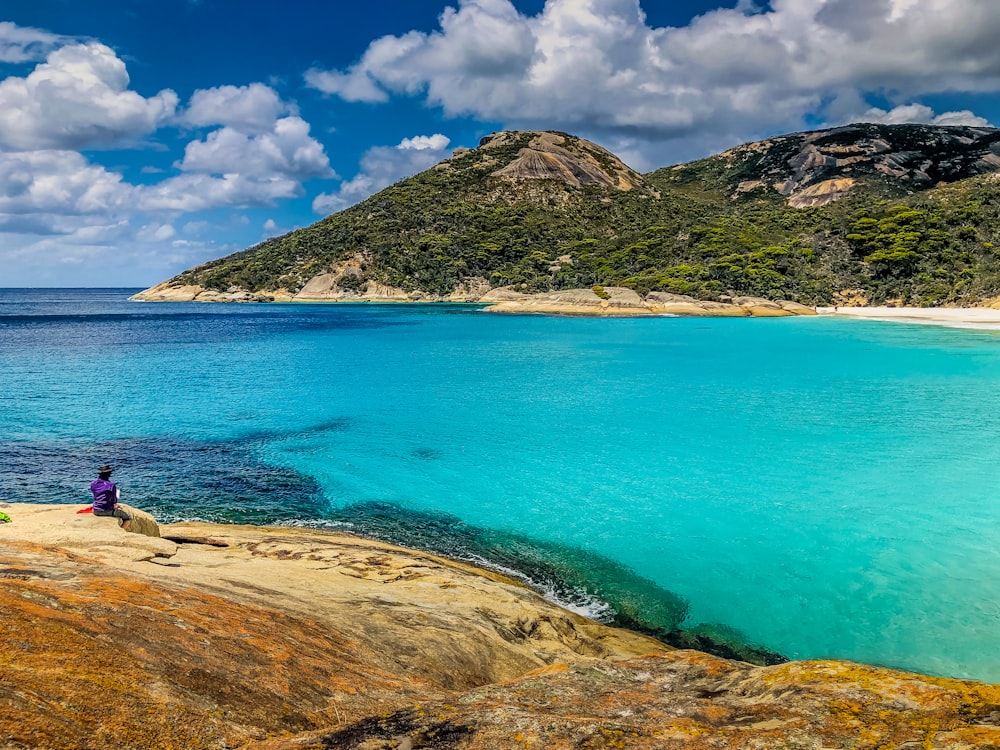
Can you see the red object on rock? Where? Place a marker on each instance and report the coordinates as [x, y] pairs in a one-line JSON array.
[[88, 509]]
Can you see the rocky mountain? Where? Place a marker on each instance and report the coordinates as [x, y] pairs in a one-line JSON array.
[[813, 169], [866, 213]]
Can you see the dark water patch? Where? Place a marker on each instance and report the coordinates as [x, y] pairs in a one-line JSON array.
[[338, 424], [172, 478], [583, 580], [82, 329], [427, 454]]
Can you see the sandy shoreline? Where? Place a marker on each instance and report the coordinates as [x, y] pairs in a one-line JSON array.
[[953, 317]]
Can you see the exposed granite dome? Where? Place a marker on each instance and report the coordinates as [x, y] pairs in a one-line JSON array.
[[558, 156]]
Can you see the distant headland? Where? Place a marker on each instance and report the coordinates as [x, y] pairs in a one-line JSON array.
[[859, 215]]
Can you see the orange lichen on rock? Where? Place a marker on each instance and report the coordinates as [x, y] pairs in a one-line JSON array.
[[108, 662], [691, 701], [296, 639]]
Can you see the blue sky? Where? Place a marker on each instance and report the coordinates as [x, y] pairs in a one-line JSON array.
[[139, 137]]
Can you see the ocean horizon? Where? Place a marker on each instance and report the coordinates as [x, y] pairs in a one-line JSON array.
[[813, 487]]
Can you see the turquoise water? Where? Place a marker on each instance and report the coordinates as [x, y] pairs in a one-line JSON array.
[[827, 488]]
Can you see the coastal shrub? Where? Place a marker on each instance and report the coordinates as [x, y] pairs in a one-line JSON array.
[[354, 282], [698, 236]]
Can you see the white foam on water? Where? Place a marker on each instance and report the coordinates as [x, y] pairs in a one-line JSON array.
[[314, 523], [583, 603]]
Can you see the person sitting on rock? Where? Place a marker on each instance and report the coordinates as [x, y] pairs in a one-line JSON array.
[[106, 497]]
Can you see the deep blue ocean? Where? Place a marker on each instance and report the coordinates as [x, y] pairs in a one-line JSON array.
[[815, 486]]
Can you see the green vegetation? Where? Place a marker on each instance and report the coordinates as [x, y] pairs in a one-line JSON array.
[[707, 229]]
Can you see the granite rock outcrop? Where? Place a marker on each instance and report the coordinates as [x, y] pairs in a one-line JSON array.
[[557, 156], [818, 167], [624, 302], [293, 638], [606, 302], [686, 700]]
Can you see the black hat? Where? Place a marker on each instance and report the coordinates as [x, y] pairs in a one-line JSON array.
[[105, 469]]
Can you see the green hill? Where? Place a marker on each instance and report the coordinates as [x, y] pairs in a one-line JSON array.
[[873, 213]]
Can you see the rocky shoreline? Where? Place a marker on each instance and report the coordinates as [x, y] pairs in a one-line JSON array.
[[623, 302], [595, 302], [233, 636]]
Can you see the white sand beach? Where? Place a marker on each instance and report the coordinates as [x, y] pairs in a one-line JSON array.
[[953, 317]]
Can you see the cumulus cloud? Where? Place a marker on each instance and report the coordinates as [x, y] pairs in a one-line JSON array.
[[352, 87], [597, 66], [200, 192], [20, 44], [79, 98], [100, 254], [436, 142], [382, 166], [58, 183], [287, 151], [920, 113], [250, 109], [156, 232], [257, 158], [57, 208]]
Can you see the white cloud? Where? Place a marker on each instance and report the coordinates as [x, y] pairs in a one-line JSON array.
[[287, 151], [60, 192], [20, 44], [101, 254], [271, 228], [58, 183], [60, 210], [156, 232], [597, 67], [382, 166], [200, 192], [249, 109], [920, 113], [349, 87], [78, 98], [436, 142]]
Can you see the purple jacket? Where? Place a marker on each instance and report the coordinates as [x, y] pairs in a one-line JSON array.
[[105, 494]]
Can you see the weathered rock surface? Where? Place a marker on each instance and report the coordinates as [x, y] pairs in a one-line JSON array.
[[213, 635], [622, 302], [665, 303], [689, 701], [819, 167], [280, 638], [331, 287], [170, 292], [821, 193], [613, 301], [554, 156]]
